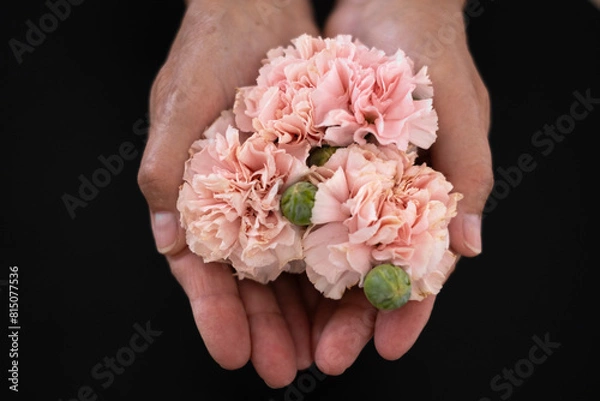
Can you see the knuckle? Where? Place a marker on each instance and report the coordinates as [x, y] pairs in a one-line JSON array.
[[476, 180], [152, 177], [159, 91], [484, 99], [151, 180], [484, 179]]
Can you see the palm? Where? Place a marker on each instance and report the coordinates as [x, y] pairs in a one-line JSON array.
[[286, 325], [460, 101], [209, 58]]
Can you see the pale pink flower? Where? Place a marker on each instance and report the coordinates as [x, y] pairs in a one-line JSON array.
[[373, 205], [354, 100], [376, 206], [229, 203], [338, 91], [420, 210], [333, 264], [281, 116]]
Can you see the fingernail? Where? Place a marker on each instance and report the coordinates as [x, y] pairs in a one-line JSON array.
[[164, 227], [472, 232]]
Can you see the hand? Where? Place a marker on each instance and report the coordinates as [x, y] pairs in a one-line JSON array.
[[219, 46], [461, 152]]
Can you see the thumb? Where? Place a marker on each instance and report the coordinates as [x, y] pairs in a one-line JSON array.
[[463, 154], [161, 173], [185, 97], [176, 121]]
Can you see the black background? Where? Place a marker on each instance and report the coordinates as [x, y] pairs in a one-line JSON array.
[[85, 282]]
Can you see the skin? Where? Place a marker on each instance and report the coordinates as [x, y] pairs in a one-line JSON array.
[[285, 326], [461, 150]]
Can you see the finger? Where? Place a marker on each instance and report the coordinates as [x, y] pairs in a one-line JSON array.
[[216, 306], [462, 152], [310, 295], [186, 96], [273, 354], [292, 307], [323, 310], [176, 120], [397, 330], [348, 330]]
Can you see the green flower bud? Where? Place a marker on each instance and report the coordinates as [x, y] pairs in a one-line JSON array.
[[387, 286], [319, 156], [297, 202]]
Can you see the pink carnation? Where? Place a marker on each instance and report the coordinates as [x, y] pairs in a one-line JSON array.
[[374, 205], [229, 202], [338, 91]]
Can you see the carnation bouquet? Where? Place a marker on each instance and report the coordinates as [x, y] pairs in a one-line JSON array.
[[315, 170]]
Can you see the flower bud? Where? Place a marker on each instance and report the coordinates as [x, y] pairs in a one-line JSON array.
[[319, 156], [387, 286], [297, 202]]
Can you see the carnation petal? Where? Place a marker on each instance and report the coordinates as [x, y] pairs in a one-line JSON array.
[[329, 199], [433, 282]]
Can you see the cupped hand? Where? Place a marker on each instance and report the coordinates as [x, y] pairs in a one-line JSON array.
[[432, 33], [283, 326], [219, 47]]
